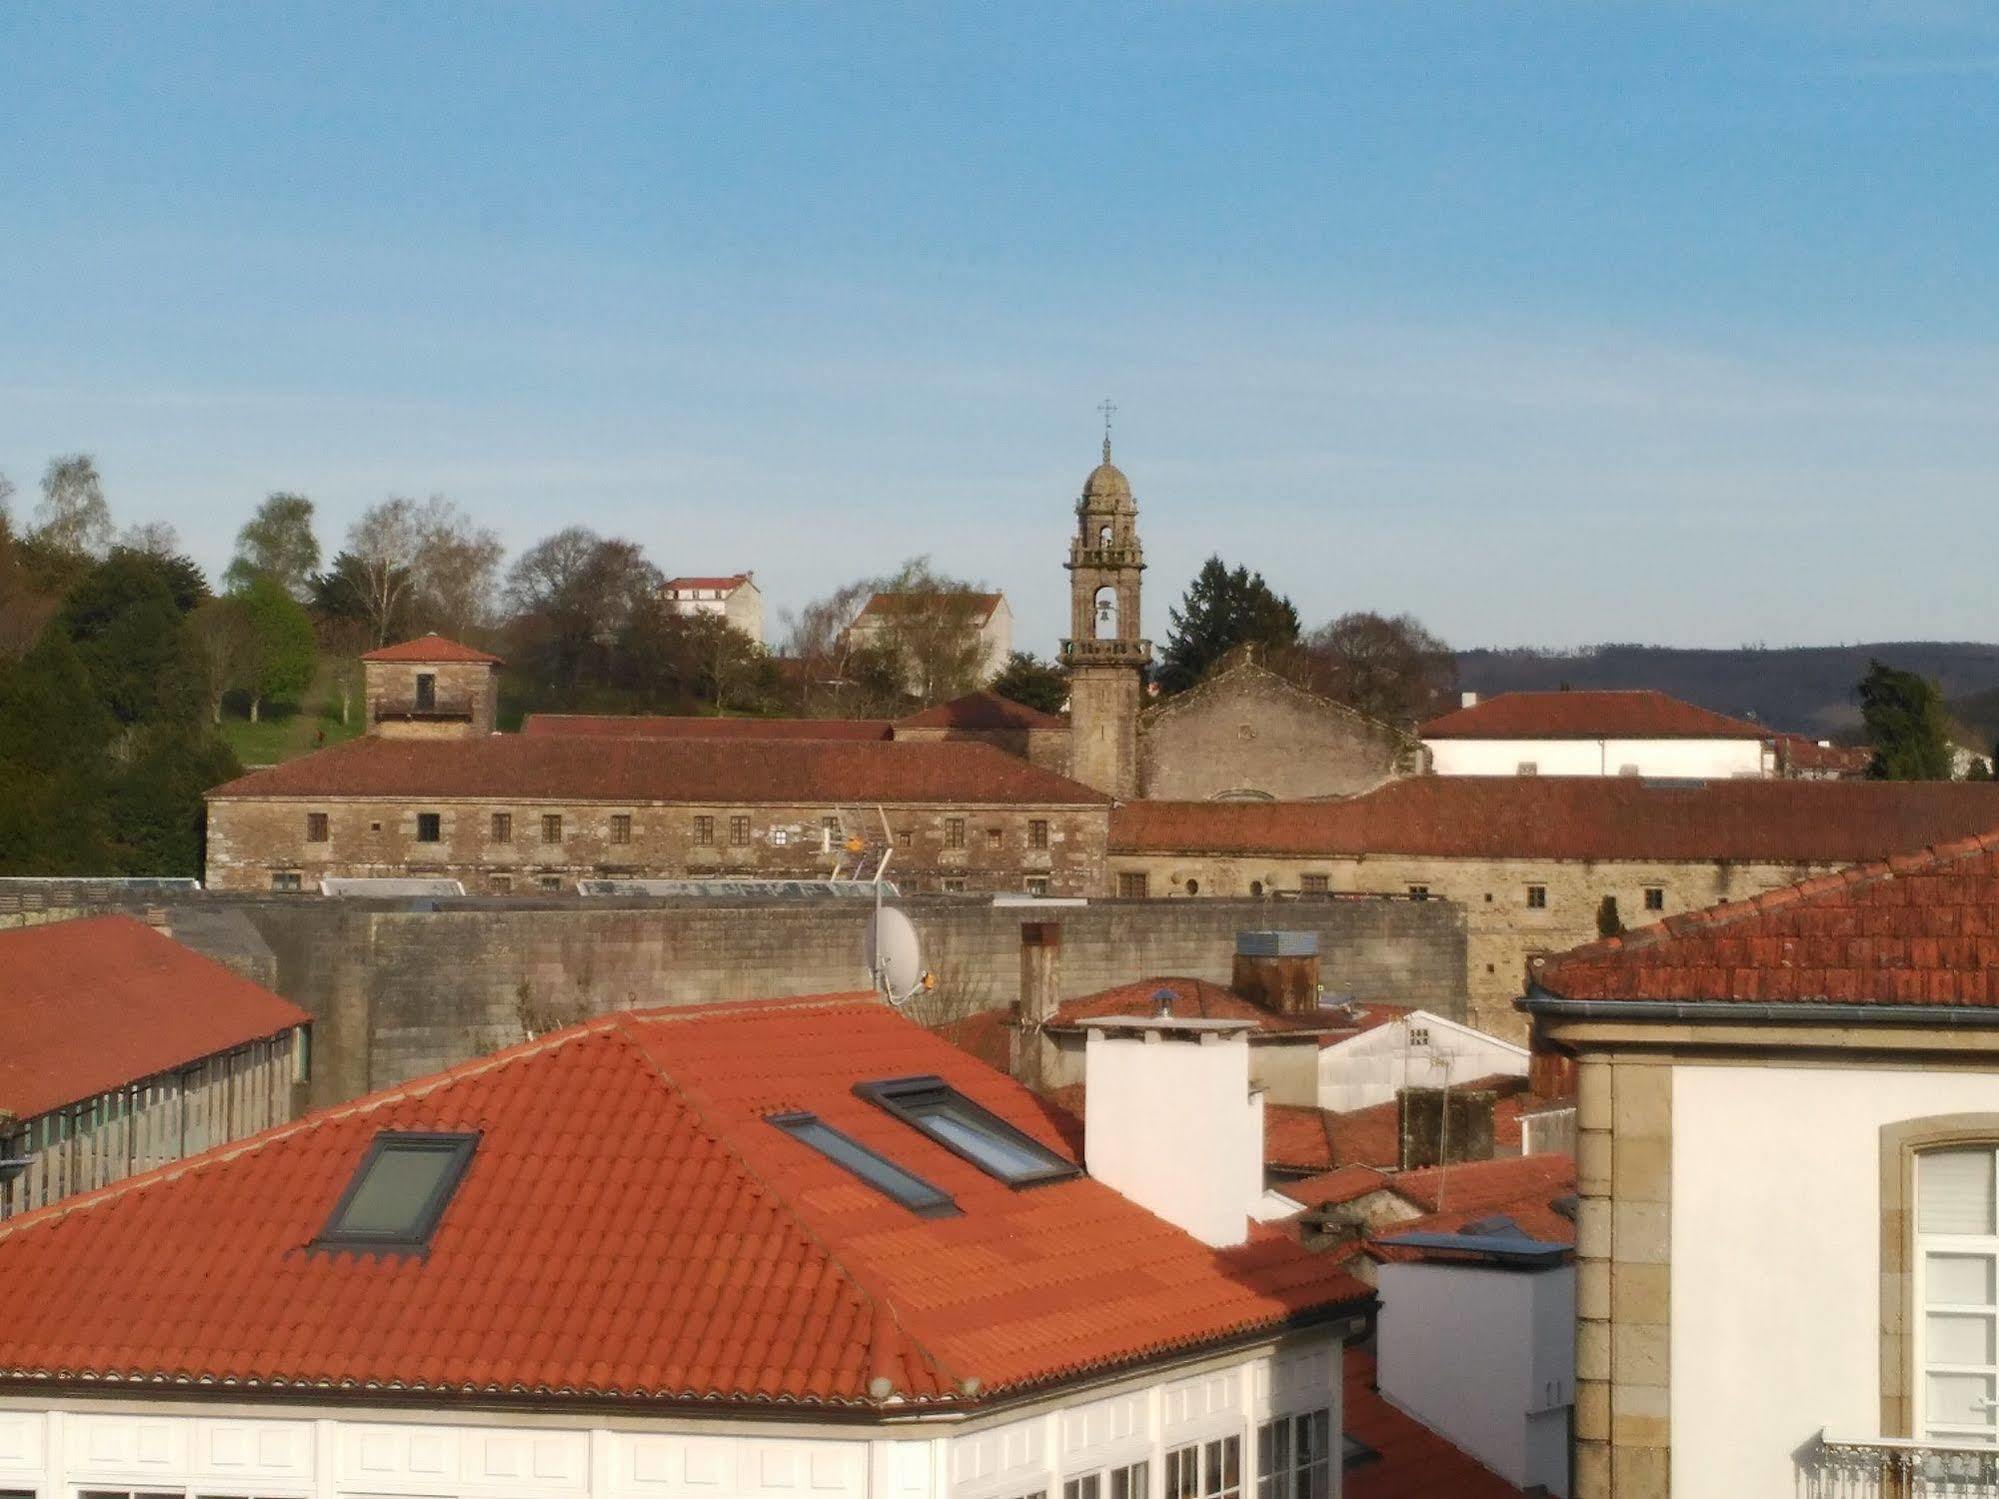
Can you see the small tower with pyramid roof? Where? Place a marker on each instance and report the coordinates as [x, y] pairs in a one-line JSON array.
[[1104, 654]]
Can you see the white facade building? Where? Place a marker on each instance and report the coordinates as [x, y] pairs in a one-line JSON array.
[[734, 598], [1596, 734], [1416, 1050]]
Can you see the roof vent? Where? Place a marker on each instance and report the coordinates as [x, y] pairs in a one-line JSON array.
[[1162, 1003]]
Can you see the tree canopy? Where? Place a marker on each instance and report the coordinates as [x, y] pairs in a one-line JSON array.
[[1906, 725], [1223, 609], [1028, 679], [1391, 669], [277, 543]]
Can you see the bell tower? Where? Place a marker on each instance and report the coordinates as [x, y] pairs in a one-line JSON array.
[[1104, 654]]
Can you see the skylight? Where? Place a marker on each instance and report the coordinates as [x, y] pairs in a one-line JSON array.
[[879, 1172], [399, 1192], [944, 1114]]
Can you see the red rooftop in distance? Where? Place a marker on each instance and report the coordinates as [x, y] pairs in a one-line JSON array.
[[1635, 714], [431, 648]]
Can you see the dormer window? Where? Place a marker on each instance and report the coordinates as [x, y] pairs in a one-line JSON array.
[[934, 1107], [400, 1191], [878, 1171]]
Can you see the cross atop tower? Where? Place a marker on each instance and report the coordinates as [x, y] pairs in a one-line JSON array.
[[1109, 409]]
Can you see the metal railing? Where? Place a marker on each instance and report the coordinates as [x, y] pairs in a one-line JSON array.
[[1896, 1468]]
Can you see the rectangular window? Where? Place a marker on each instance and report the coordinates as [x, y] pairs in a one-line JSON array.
[[1132, 1482], [1315, 884], [1419, 892], [934, 1107], [951, 887], [621, 827], [501, 828], [551, 827], [315, 827], [398, 1193], [1655, 898], [1132, 885], [994, 838], [1205, 1470], [1537, 897], [704, 832], [1528, 768], [1037, 884], [902, 838], [426, 692], [1037, 832], [286, 882], [1294, 1457], [831, 827], [1089, 1486], [429, 827], [1957, 1296], [779, 837], [503, 884], [550, 884], [739, 832], [879, 1172], [954, 832]]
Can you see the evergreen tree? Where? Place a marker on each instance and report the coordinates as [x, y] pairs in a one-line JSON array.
[[156, 807], [54, 764], [134, 641], [1906, 725], [1028, 679], [1222, 610]]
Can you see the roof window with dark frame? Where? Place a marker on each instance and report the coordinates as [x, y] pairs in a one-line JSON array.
[[933, 1107], [399, 1192], [878, 1171]]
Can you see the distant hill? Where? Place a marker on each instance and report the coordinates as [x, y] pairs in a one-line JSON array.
[[1804, 689]]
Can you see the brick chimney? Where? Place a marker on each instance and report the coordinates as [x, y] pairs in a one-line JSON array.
[[1170, 1120], [1040, 995], [1278, 970], [1442, 1126]]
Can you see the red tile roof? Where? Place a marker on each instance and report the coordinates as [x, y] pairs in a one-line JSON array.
[[732, 581], [1341, 1184], [432, 648], [982, 604], [662, 726], [982, 710], [1922, 928], [631, 1228], [1578, 817], [1468, 1195], [1589, 715], [556, 767], [1297, 1137], [1196, 999], [1799, 753], [1412, 1461], [87, 1006]]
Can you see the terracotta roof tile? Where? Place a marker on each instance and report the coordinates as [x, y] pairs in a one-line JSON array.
[[983, 710], [429, 648], [1914, 929], [730, 581], [1341, 1184], [556, 767], [90, 1005], [1197, 999], [1641, 714], [1578, 817], [664, 726], [631, 1227], [1412, 1461], [1457, 1198]]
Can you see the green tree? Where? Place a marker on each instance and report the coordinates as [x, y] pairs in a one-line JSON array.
[[1906, 725], [54, 763], [277, 543], [281, 652], [156, 807], [1028, 679], [132, 638], [1222, 610]]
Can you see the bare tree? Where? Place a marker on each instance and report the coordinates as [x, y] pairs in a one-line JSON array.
[[228, 639], [932, 624], [155, 538], [383, 545], [1393, 670], [572, 594], [457, 567], [73, 516]]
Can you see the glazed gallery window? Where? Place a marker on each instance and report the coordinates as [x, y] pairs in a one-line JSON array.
[[1957, 1296], [1294, 1457], [1205, 1470], [1128, 1482]]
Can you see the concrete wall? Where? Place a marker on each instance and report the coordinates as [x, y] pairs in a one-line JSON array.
[[1777, 1256], [397, 992], [1698, 759]]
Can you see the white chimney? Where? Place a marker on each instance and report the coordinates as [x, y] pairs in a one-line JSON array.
[[1467, 699], [1170, 1120]]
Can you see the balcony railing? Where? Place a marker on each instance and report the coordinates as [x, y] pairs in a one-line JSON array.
[[408, 709], [1896, 1468]]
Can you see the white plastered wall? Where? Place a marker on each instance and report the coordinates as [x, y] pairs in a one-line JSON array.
[[1369, 1068], [1700, 759]]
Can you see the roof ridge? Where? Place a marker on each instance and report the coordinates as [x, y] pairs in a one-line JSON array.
[[880, 1303]]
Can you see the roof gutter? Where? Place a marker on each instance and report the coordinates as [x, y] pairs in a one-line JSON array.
[[1538, 1001]]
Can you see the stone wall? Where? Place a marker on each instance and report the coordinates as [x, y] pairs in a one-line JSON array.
[[397, 992], [466, 701], [507, 847], [1503, 927]]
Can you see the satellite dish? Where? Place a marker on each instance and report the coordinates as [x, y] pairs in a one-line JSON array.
[[893, 955]]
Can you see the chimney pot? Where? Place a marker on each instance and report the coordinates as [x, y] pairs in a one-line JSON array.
[[1467, 699]]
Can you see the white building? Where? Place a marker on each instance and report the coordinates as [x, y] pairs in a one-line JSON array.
[[1788, 1237], [734, 598], [1415, 1049], [1596, 734], [912, 617], [789, 1247]]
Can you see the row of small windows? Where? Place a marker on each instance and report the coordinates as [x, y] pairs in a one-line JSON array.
[[500, 829], [1294, 1461], [1137, 885]]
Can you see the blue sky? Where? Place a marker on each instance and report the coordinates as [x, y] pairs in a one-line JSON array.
[[1548, 323]]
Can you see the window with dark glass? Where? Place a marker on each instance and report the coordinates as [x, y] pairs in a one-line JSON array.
[[429, 827], [621, 827], [1205, 1470], [552, 883], [954, 832], [1132, 886], [994, 838], [1037, 832], [399, 1192], [1314, 884], [739, 832], [704, 832], [287, 882], [315, 827], [501, 829], [426, 692], [1537, 897], [937, 1109], [1655, 898], [1037, 884], [551, 827], [1294, 1457], [879, 1172]]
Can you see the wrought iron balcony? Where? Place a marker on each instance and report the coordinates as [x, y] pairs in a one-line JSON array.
[[417, 709], [1896, 1468]]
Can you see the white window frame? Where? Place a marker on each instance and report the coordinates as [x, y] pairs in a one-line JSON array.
[[1985, 1246]]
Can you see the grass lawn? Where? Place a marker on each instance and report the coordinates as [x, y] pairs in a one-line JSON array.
[[288, 730]]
